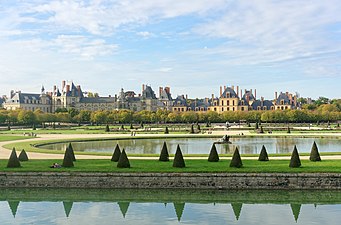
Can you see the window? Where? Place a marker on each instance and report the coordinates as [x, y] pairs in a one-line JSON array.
[[233, 103], [242, 108], [227, 102], [222, 109]]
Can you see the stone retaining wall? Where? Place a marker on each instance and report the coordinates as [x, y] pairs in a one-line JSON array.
[[172, 180]]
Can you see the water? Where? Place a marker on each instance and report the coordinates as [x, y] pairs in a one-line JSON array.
[[247, 145], [81, 206]]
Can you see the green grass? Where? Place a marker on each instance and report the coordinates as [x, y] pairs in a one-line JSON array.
[[12, 138], [192, 166]]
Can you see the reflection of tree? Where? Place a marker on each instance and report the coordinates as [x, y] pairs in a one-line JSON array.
[[237, 208], [123, 207], [295, 208], [13, 205], [67, 208], [179, 209]]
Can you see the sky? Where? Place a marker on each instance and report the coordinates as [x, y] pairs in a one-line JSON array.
[[194, 47]]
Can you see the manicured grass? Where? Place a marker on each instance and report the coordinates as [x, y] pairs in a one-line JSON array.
[[12, 138], [192, 166]]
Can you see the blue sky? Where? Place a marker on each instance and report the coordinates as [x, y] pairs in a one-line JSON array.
[[192, 46]]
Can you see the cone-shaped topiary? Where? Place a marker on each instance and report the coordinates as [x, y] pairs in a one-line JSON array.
[[295, 159], [34, 127], [263, 156], [67, 161], [123, 207], [261, 130], [13, 161], [107, 129], [164, 156], [178, 158], [72, 154], [296, 209], [131, 126], [314, 153], [213, 157], [8, 127], [192, 130], [198, 127], [13, 205], [166, 130], [179, 209], [23, 156], [123, 161], [236, 160], [122, 127], [117, 153], [256, 126], [207, 124], [67, 208], [237, 209], [288, 130]]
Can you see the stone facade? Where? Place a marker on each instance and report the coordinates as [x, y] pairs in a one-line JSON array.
[[238, 181]]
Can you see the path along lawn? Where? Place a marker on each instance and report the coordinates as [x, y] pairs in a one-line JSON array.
[[192, 166]]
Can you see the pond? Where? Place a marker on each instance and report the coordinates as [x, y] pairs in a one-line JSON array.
[[246, 145], [90, 206]]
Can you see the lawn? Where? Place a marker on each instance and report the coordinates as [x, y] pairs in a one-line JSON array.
[[12, 138], [192, 166]]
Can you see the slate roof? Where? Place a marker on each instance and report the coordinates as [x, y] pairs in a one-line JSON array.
[[180, 101], [284, 97], [165, 96], [200, 103], [260, 103], [98, 100], [248, 96], [229, 93], [148, 93], [74, 91], [23, 97]]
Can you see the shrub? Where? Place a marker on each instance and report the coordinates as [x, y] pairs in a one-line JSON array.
[[192, 129], [131, 126], [34, 127], [107, 129], [314, 153], [13, 161], [198, 127], [67, 161], [123, 161], [236, 160], [117, 153], [166, 130], [295, 161], [256, 126], [23, 156], [288, 130], [178, 158], [164, 156], [70, 150], [213, 157], [261, 130], [263, 156]]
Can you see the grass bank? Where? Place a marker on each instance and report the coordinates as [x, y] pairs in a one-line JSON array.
[[12, 138], [192, 166]]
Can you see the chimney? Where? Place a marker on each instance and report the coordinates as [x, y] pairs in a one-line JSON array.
[[224, 87], [167, 89], [221, 90], [63, 85], [255, 93], [244, 91], [232, 87], [143, 87], [160, 92], [79, 90], [262, 99], [212, 98], [287, 94], [241, 93], [67, 88], [238, 91], [54, 88], [109, 96], [12, 93], [250, 92], [275, 95], [186, 96]]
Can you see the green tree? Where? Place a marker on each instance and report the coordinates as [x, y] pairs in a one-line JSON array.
[[26, 117]]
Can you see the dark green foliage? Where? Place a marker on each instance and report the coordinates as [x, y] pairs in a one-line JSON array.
[[288, 130], [23, 156], [123, 161], [107, 129], [13, 205], [54, 125], [123, 207], [207, 124], [34, 127], [178, 158], [70, 150], [131, 126], [236, 160], [237, 209], [164, 156], [213, 157], [192, 130], [263, 156], [296, 209], [117, 153], [166, 130], [141, 125], [338, 125], [8, 127], [256, 126], [198, 127], [314, 153], [13, 161], [67, 161], [295, 161], [67, 208], [179, 209]]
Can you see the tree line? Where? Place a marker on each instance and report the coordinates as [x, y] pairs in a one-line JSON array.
[[329, 112]]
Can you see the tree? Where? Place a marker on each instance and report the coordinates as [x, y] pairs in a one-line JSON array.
[[236, 160], [164, 156], [13, 161], [117, 153], [23, 156], [123, 161], [26, 117], [213, 157], [295, 161], [178, 158], [314, 153], [263, 156]]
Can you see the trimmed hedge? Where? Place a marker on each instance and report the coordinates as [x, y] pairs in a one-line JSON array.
[[236, 160], [178, 159], [213, 157], [23, 156], [13, 161], [314, 153], [263, 156], [123, 161], [295, 161], [164, 156], [117, 153]]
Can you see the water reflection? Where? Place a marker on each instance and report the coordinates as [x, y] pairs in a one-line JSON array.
[[246, 145], [80, 206]]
